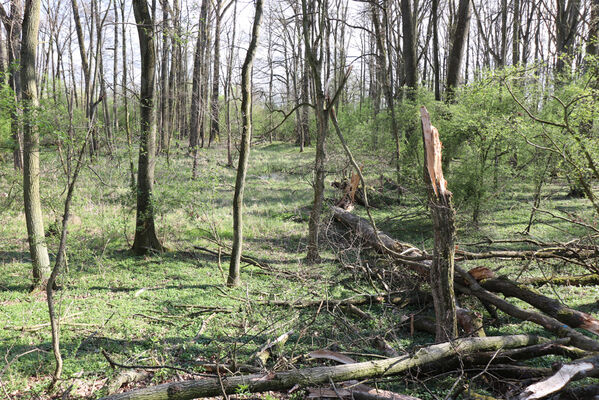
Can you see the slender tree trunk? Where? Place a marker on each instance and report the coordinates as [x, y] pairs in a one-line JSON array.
[[164, 80], [115, 64], [315, 25], [567, 17], [436, 70], [410, 42], [12, 24], [145, 233], [198, 62], [456, 52], [228, 86], [214, 121], [125, 97], [244, 150], [516, 33], [31, 172], [380, 33]]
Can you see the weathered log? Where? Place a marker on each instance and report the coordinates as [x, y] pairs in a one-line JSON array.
[[584, 368], [551, 324], [574, 318], [318, 375]]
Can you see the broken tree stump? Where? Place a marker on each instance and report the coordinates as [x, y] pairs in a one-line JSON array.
[[443, 215]]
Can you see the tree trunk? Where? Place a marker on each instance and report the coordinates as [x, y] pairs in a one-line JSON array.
[[198, 62], [214, 114], [244, 150], [410, 46], [443, 215], [456, 52], [516, 33], [13, 24], [437, 71], [145, 233], [385, 66], [566, 21], [31, 172]]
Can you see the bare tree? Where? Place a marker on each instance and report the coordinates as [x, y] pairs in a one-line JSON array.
[[244, 150]]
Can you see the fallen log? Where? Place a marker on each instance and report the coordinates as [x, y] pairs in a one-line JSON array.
[[588, 367], [576, 280], [319, 375], [551, 324], [557, 311], [574, 318]]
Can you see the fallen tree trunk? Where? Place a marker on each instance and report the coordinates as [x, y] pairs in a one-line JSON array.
[[415, 258], [574, 318], [551, 324], [319, 375], [588, 367], [554, 308], [577, 280]]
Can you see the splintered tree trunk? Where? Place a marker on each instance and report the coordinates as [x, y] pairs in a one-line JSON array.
[[442, 213], [244, 150], [31, 172], [145, 233]]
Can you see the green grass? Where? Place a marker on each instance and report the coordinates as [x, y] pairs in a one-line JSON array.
[[135, 307]]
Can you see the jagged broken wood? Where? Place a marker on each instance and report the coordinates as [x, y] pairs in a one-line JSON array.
[[326, 374], [588, 367]]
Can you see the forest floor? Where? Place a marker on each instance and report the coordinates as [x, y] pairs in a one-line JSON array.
[[174, 309]]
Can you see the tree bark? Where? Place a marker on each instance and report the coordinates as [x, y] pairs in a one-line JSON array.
[[145, 232], [244, 150], [31, 172]]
